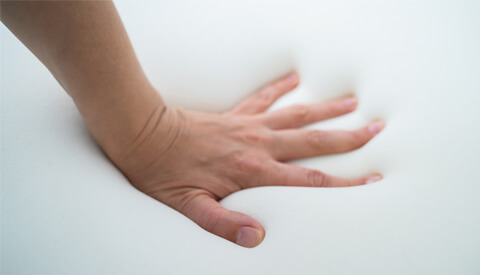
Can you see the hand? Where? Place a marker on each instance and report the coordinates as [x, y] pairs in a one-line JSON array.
[[190, 160], [187, 160]]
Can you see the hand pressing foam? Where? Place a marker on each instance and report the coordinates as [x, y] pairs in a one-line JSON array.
[[413, 65]]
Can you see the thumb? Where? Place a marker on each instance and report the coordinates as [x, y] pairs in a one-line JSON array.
[[233, 226]]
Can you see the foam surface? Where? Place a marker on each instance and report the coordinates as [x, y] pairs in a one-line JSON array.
[[67, 210]]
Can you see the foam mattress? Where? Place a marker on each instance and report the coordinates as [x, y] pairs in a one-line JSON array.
[[415, 64]]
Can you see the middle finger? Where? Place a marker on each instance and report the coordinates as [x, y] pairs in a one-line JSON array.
[[302, 143]]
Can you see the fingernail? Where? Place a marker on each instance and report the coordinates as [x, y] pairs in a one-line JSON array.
[[376, 127], [350, 102], [373, 179], [248, 236], [292, 78]]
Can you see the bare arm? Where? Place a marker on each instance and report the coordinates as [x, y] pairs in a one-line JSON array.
[[86, 48]]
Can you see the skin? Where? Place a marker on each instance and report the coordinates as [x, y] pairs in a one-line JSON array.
[[188, 160]]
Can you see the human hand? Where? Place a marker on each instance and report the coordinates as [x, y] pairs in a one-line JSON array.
[[191, 160], [187, 160]]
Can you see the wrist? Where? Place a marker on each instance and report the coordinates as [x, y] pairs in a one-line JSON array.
[[157, 137], [115, 117]]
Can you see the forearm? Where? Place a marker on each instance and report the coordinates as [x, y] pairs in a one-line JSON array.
[[85, 46]]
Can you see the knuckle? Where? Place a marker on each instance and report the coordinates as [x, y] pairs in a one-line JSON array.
[[316, 138], [210, 219], [264, 137], [183, 199], [301, 112], [249, 163], [315, 178], [265, 98], [255, 135]]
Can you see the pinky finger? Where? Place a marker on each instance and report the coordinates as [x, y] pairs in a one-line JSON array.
[[290, 175]]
